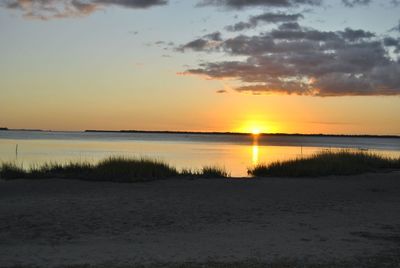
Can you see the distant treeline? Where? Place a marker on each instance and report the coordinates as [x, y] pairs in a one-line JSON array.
[[241, 134], [22, 129]]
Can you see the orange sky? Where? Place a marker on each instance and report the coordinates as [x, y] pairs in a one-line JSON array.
[[120, 68]]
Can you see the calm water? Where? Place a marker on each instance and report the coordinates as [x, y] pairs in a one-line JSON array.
[[235, 153]]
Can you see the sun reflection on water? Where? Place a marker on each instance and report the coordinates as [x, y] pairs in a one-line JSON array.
[[255, 149], [255, 155]]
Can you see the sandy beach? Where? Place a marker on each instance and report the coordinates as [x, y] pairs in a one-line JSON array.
[[338, 221]]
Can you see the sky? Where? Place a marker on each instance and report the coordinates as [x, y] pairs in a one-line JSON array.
[[279, 66]]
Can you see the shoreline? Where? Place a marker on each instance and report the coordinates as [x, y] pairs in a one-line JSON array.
[[330, 222], [230, 178]]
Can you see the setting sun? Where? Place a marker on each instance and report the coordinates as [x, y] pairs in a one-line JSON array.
[[256, 127]]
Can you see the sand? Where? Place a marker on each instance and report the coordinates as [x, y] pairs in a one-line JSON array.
[[49, 223]]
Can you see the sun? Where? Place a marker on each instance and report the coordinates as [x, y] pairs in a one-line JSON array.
[[255, 127]]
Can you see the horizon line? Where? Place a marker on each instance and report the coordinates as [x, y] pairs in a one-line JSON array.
[[206, 132]]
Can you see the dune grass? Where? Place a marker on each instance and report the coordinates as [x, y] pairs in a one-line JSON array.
[[123, 169], [206, 172], [325, 163], [118, 169], [214, 172]]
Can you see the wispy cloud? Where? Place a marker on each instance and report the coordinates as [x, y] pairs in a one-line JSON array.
[[239, 4], [50, 9], [352, 3], [270, 3], [267, 17]]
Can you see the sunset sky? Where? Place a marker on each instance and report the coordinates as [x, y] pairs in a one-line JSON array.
[[294, 66]]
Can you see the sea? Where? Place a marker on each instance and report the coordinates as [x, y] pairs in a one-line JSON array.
[[235, 153]]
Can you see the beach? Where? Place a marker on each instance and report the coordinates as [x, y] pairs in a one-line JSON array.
[[339, 221]]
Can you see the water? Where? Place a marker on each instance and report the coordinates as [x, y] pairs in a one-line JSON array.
[[235, 153]]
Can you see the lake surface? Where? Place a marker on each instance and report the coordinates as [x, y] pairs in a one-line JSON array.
[[234, 152]]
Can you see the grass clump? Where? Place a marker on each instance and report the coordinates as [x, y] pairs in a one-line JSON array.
[[214, 172], [325, 163], [56, 170], [117, 169], [126, 169], [206, 172], [11, 171]]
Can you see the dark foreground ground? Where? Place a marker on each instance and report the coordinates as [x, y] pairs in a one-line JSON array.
[[324, 222]]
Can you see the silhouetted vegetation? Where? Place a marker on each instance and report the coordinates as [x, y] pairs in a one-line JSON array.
[[214, 172], [11, 171], [3, 128], [122, 169], [117, 169], [325, 163]]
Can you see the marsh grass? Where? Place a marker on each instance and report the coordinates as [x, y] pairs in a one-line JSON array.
[[11, 171], [117, 169], [325, 163], [128, 169], [205, 172], [214, 172]]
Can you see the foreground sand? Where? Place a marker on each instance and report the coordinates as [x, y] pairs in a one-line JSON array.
[[339, 221]]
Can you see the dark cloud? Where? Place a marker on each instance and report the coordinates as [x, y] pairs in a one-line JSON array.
[[352, 3], [240, 26], [289, 26], [392, 42], [216, 36], [296, 60], [207, 42], [268, 3], [199, 44], [133, 3], [266, 18], [48, 9], [354, 35]]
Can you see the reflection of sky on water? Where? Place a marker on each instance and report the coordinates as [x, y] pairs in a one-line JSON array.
[[235, 157]]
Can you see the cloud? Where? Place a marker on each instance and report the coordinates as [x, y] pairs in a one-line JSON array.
[[291, 59], [133, 3], [215, 36], [392, 42], [354, 35], [352, 3], [237, 4], [49, 9], [266, 18], [207, 42]]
